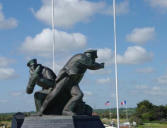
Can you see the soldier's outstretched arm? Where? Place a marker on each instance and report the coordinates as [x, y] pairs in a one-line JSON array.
[[90, 63], [96, 66]]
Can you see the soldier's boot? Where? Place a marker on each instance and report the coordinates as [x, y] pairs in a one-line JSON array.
[[68, 113], [68, 109]]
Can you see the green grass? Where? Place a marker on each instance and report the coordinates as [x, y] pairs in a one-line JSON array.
[[146, 125], [108, 121], [153, 125]]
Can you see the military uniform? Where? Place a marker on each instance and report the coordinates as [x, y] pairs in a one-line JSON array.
[[70, 76], [43, 77]]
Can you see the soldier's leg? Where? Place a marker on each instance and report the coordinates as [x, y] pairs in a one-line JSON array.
[[39, 98], [37, 102], [77, 95], [59, 86]]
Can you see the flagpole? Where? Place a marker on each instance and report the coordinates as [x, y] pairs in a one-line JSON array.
[[116, 71], [109, 114], [53, 41], [127, 113]]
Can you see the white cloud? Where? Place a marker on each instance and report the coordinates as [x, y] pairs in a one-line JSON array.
[[105, 55], [162, 4], [5, 61], [153, 90], [58, 65], [145, 70], [6, 23], [18, 93], [87, 93], [104, 81], [101, 71], [162, 79], [122, 8], [141, 35], [68, 12], [156, 91], [133, 55], [3, 101], [141, 87], [41, 44], [7, 73]]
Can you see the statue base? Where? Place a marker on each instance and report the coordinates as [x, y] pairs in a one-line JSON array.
[[62, 122]]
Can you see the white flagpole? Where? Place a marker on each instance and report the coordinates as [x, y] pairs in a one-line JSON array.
[[109, 108], [127, 113], [53, 32], [116, 70], [110, 115]]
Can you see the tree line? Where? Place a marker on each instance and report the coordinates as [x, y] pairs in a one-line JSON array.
[[147, 112], [144, 112]]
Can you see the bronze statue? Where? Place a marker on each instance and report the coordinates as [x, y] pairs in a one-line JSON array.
[[42, 76], [67, 83], [61, 95]]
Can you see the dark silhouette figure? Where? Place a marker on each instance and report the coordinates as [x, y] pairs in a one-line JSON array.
[[43, 77], [67, 83]]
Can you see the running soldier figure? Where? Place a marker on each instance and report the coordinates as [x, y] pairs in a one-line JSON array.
[[68, 80]]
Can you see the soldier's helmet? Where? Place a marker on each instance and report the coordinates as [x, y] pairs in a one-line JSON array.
[[32, 62], [92, 52]]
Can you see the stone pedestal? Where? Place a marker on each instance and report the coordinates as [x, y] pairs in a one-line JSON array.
[[62, 122]]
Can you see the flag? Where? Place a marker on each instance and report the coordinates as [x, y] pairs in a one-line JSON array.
[[123, 102], [107, 103]]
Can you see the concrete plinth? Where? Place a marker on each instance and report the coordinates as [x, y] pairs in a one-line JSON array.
[[62, 122]]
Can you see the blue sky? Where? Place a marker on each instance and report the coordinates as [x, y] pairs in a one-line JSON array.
[[25, 33]]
